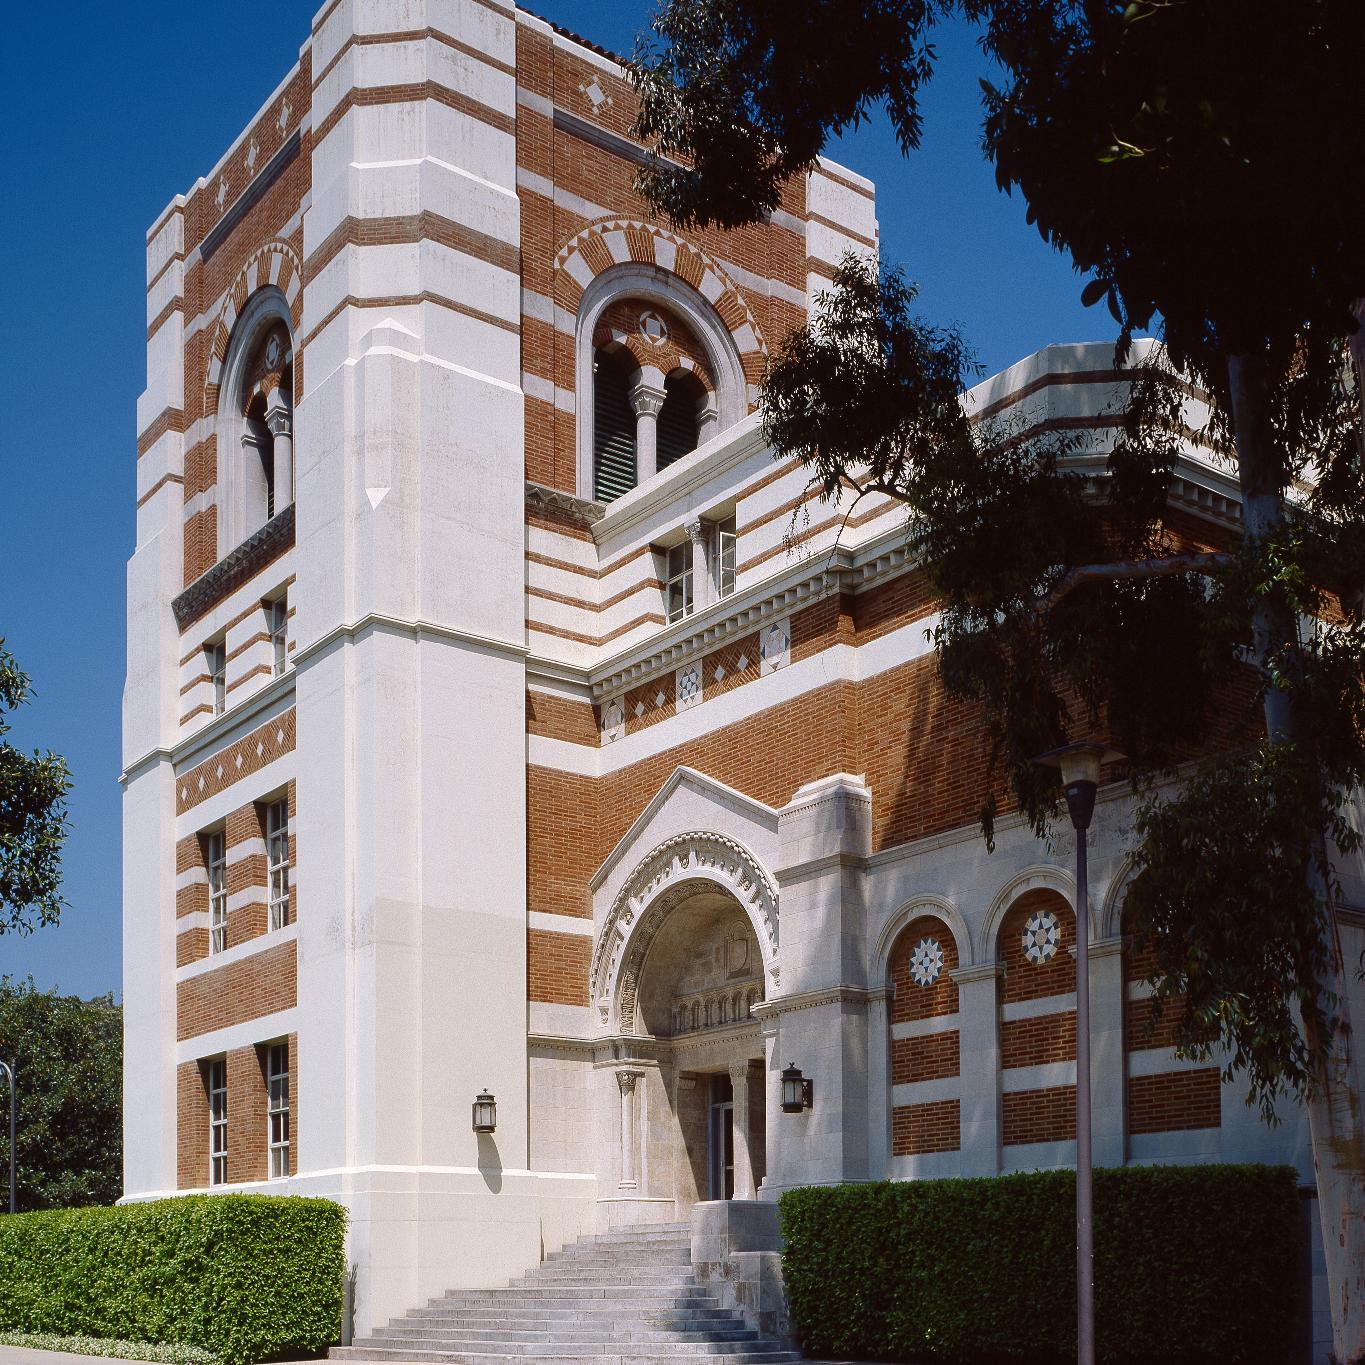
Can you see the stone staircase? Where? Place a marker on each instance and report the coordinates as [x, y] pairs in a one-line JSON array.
[[620, 1298]]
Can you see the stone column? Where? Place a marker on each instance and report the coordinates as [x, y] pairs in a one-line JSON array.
[[630, 1134], [744, 1166], [279, 417], [647, 398], [701, 569], [1107, 1064], [708, 418], [978, 1018], [878, 1086]]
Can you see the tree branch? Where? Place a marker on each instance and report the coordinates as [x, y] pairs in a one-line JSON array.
[[1123, 570]]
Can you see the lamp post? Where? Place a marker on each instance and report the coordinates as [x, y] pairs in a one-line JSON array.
[[1080, 768], [8, 1069]]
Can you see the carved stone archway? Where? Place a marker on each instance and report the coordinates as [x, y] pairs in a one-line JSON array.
[[678, 868]]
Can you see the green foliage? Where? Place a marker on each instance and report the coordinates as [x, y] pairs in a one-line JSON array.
[[1192, 1264], [33, 823], [732, 85], [243, 1277], [68, 1054], [166, 1353]]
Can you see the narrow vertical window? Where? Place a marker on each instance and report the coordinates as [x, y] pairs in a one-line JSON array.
[[215, 658], [277, 615], [218, 1121], [277, 851], [724, 557], [215, 858], [678, 582], [277, 1082], [683, 393], [613, 426]]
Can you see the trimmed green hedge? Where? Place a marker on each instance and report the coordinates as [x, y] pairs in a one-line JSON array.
[[243, 1277], [161, 1352], [1192, 1264]]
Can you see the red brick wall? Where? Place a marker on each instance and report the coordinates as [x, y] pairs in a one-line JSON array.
[[261, 984], [557, 967], [920, 1128], [1175, 1101], [1047, 1115]]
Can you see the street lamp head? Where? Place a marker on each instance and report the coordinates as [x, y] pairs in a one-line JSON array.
[[485, 1113], [1080, 768]]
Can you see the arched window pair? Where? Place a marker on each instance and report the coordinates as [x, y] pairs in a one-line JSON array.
[[640, 426], [657, 375], [255, 430]]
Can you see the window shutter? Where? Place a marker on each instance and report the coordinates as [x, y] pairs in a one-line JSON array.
[[613, 429], [678, 419]]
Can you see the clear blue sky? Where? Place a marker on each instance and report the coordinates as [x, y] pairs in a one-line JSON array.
[[117, 109]]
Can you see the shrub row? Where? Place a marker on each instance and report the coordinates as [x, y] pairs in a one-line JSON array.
[[1192, 1264], [243, 1277], [161, 1352]]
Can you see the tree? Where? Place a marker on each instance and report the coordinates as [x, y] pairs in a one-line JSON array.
[[68, 1056], [32, 818], [1194, 158]]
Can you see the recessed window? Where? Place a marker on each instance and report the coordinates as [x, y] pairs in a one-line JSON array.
[[723, 557], [277, 1085], [277, 858], [215, 860], [678, 581], [613, 455], [215, 660], [218, 1121], [683, 396], [277, 619]]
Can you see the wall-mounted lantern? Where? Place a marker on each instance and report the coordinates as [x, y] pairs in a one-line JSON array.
[[798, 1094], [485, 1113]]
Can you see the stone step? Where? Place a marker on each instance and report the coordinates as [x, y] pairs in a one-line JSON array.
[[620, 1294], [665, 1253], [478, 1316], [365, 1351], [618, 1353], [677, 1274], [591, 1332]]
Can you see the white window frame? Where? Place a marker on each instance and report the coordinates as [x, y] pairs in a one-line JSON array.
[[215, 864], [724, 550], [678, 574], [277, 860], [215, 660], [277, 1110], [277, 621], [218, 1121]]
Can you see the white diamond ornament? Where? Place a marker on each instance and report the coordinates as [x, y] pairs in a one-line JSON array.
[[1042, 937]]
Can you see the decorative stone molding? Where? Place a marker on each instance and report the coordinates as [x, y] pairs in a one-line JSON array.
[[276, 263], [577, 510], [1042, 876], [248, 559], [669, 874]]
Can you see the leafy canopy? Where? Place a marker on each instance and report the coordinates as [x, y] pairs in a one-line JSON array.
[[33, 822], [68, 1054]]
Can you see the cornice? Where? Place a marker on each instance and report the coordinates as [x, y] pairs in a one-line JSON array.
[[260, 548]]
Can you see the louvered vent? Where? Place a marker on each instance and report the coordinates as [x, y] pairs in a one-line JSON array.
[[613, 429], [678, 418]]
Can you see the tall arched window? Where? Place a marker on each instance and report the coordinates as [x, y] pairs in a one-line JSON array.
[[679, 418], [613, 456], [255, 428]]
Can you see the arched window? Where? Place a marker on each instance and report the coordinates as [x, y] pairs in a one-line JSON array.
[[613, 455], [676, 381], [679, 417], [255, 427]]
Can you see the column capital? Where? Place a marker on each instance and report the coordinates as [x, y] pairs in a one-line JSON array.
[[279, 414], [739, 1072], [646, 399], [695, 531], [978, 971], [626, 1080]]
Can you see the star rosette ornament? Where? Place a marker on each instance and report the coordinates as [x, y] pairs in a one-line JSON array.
[[1042, 937], [926, 962]]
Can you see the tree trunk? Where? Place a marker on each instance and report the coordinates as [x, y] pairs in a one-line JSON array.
[[1336, 1122]]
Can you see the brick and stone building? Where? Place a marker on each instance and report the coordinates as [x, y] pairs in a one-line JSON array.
[[499, 716]]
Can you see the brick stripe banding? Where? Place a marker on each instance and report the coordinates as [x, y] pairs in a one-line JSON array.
[[1175, 1101], [404, 230], [417, 92], [557, 967], [247, 989], [273, 739], [920, 1128], [1047, 1115]]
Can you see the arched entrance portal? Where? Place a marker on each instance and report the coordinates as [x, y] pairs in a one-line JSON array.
[[701, 977]]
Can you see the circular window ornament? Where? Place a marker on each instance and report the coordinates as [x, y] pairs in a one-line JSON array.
[[653, 327], [1042, 937], [926, 962], [272, 350]]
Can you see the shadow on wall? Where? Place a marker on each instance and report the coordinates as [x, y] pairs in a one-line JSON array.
[[490, 1163]]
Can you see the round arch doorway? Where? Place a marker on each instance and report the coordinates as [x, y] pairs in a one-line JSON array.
[[698, 1111]]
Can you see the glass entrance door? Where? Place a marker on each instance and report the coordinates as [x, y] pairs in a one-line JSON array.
[[721, 1138]]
